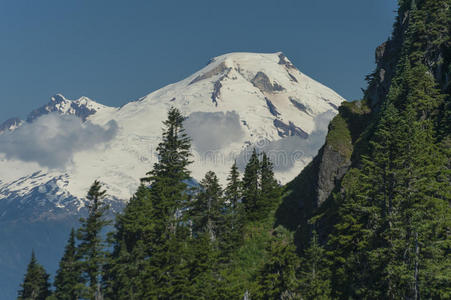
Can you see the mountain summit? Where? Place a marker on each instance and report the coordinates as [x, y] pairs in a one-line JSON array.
[[238, 102]]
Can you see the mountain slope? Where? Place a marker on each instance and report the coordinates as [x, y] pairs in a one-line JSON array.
[[237, 102], [382, 178]]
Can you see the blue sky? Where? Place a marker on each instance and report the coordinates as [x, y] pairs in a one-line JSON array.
[[117, 51]]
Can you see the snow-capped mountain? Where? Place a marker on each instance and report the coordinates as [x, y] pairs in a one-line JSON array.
[[82, 108], [237, 102]]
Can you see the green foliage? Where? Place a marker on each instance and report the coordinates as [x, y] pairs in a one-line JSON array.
[[261, 192], [207, 210], [234, 215], [271, 192], [314, 274], [251, 186], [339, 137], [134, 230], [91, 251], [68, 281], [277, 277], [36, 284], [383, 234]]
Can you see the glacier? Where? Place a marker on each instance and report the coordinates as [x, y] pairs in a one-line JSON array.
[[237, 102]]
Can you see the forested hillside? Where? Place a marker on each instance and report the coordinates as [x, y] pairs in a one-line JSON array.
[[379, 191], [368, 218]]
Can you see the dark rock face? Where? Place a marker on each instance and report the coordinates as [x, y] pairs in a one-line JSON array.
[[263, 83], [380, 80], [221, 68], [299, 106], [216, 92], [285, 130], [283, 60], [77, 109], [333, 166], [292, 77], [218, 85], [10, 124], [272, 108]]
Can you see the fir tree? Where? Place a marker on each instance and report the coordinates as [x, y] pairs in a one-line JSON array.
[[169, 174], [233, 189], [36, 284], [201, 268], [91, 250], [277, 278], [232, 235], [68, 281], [163, 244], [251, 187], [270, 189], [134, 231], [314, 274], [207, 210]]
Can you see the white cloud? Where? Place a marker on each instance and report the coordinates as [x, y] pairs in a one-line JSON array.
[[52, 139], [212, 131], [284, 153]]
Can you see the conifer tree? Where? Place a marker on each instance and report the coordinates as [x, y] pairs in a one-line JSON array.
[[277, 278], [130, 254], [232, 235], [233, 189], [91, 250], [207, 210], [165, 235], [314, 274], [201, 268], [36, 284], [251, 187], [68, 282], [271, 192]]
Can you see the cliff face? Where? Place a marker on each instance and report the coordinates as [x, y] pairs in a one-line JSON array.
[[309, 195]]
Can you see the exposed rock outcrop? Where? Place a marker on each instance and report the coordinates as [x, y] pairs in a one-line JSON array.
[[272, 108], [219, 69], [299, 105], [289, 129], [10, 124], [264, 84]]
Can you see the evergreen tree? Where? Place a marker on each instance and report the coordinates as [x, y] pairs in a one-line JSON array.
[[420, 217], [36, 284], [232, 235], [91, 250], [277, 278], [68, 281], [392, 224], [233, 189], [201, 268], [207, 210], [169, 174], [167, 232], [130, 255], [271, 191], [251, 187], [314, 274]]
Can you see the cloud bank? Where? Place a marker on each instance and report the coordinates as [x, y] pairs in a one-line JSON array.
[[53, 139], [285, 152], [212, 131]]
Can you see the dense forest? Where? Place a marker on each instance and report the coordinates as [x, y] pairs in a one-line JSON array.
[[380, 228]]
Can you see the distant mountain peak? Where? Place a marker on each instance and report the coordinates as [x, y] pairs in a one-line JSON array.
[[238, 101], [83, 107], [10, 124]]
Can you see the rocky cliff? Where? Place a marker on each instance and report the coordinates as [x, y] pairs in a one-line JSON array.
[[309, 196]]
